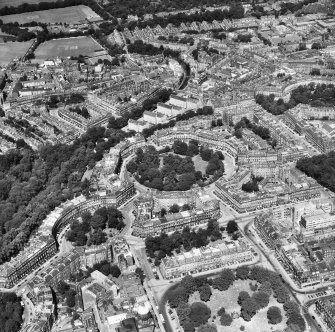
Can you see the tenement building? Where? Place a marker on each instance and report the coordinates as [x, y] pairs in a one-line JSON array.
[[177, 221], [40, 249], [222, 254]]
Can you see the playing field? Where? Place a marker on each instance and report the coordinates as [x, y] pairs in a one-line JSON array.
[[11, 50], [74, 14], [66, 47], [16, 3]]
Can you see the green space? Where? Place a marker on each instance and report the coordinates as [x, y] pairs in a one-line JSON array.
[[316, 95], [321, 168], [246, 299], [11, 312], [229, 299], [66, 47], [12, 50], [69, 15], [176, 171], [158, 247], [92, 228]]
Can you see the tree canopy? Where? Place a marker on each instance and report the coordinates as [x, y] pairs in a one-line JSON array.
[[10, 312]]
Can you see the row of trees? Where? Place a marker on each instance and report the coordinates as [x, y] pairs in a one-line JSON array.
[[93, 225], [261, 131], [235, 11], [206, 110], [22, 34], [316, 95], [163, 245]]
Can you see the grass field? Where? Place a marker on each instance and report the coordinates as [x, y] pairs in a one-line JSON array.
[[74, 14], [228, 300], [66, 47], [11, 50], [16, 3]]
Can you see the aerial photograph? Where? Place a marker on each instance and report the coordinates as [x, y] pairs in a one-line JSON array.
[[167, 165]]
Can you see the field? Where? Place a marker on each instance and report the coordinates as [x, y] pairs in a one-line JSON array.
[[16, 3], [70, 15], [66, 47], [228, 300], [11, 50]]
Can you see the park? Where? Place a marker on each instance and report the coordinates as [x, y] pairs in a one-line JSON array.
[[177, 168], [246, 299]]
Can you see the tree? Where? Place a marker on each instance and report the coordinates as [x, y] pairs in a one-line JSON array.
[[242, 272], [62, 287], [98, 221], [180, 147], [231, 227], [205, 292], [281, 294], [274, 315], [70, 296], [174, 208], [248, 309], [178, 296], [206, 154], [193, 149], [186, 181], [183, 311], [316, 46], [315, 72], [226, 319], [11, 312], [266, 287], [139, 272], [189, 283], [221, 311], [207, 328], [98, 237], [224, 281], [115, 271], [262, 299], [185, 207], [199, 314], [242, 297]]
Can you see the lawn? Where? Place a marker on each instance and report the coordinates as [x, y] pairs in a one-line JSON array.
[[199, 164], [11, 50], [70, 15], [228, 300], [66, 47]]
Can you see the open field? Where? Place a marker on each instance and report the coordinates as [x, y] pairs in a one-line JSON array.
[[11, 50], [66, 47], [228, 300], [70, 15], [16, 3]]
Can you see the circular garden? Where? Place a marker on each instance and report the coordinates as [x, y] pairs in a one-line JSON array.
[[178, 168]]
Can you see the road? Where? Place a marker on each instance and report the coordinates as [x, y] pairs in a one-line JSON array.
[[313, 326]]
